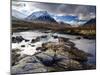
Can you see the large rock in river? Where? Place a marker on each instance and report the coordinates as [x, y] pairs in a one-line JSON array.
[[17, 39], [28, 64]]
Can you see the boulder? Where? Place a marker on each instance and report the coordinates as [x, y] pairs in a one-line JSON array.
[[32, 45], [17, 39], [89, 37], [69, 64], [13, 39], [23, 68], [69, 43], [53, 57], [26, 40], [22, 45], [62, 39], [29, 64], [35, 40], [15, 56], [78, 55], [45, 59], [44, 36], [39, 48], [78, 37], [54, 36], [29, 59]]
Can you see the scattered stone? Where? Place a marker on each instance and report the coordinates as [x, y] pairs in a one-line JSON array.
[[13, 39], [69, 64], [44, 36], [62, 39], [17, 39], [63, 56], [26, 40], [45, 59], [32, 45], [39, 48], [78, 55], [55, 36], [29, 64], [89, 37], [89, 66], [15, 56], [78, 37], [35, 40], [22, 45]]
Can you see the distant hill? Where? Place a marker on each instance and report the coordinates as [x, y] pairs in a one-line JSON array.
[[38, 19], [14, 18], [18, 14], [91, 22]]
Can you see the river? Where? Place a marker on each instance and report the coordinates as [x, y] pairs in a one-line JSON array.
[[83, 44]]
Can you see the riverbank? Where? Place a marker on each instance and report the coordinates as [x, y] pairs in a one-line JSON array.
[[86, 32], [51, 57]]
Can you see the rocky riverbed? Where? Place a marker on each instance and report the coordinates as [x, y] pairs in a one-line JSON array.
[[60, 54]]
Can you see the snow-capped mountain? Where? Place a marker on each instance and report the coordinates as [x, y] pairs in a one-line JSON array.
[[42, 16], [49, 17], [65, 18], [69, 19], [18, 14], [91, 22]]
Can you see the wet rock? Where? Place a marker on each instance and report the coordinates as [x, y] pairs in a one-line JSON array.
[[15, 56], [22, 45], [26, 40], [13, 39], [62, 59], [44, 36], [54, 36], [45, 59], [78, 37], [48, 45], [66, 51], [62, 39], [17, 39], [32, 45], [35, 40], [49, 52], [89, 37], [78, 55], [69, 64], [89, 66], [69, 43], [56, 57], [39, 48], [29, 64], [29, 59], [47, 31]]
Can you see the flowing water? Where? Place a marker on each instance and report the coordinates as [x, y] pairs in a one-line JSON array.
[[83, 44]]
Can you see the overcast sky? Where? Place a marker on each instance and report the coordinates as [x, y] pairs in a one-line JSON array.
[[82, 11]]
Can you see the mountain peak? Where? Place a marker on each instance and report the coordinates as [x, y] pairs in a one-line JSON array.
[[41, 16], [91, 21]]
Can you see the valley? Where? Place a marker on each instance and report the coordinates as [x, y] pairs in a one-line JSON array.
[[48, 37]]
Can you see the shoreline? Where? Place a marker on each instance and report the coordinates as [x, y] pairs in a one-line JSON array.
[[62, 54]]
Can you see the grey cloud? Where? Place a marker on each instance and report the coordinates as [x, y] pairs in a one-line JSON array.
[[83, 11]]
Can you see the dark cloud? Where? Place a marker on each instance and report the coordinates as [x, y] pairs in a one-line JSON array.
[[83, 11]]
